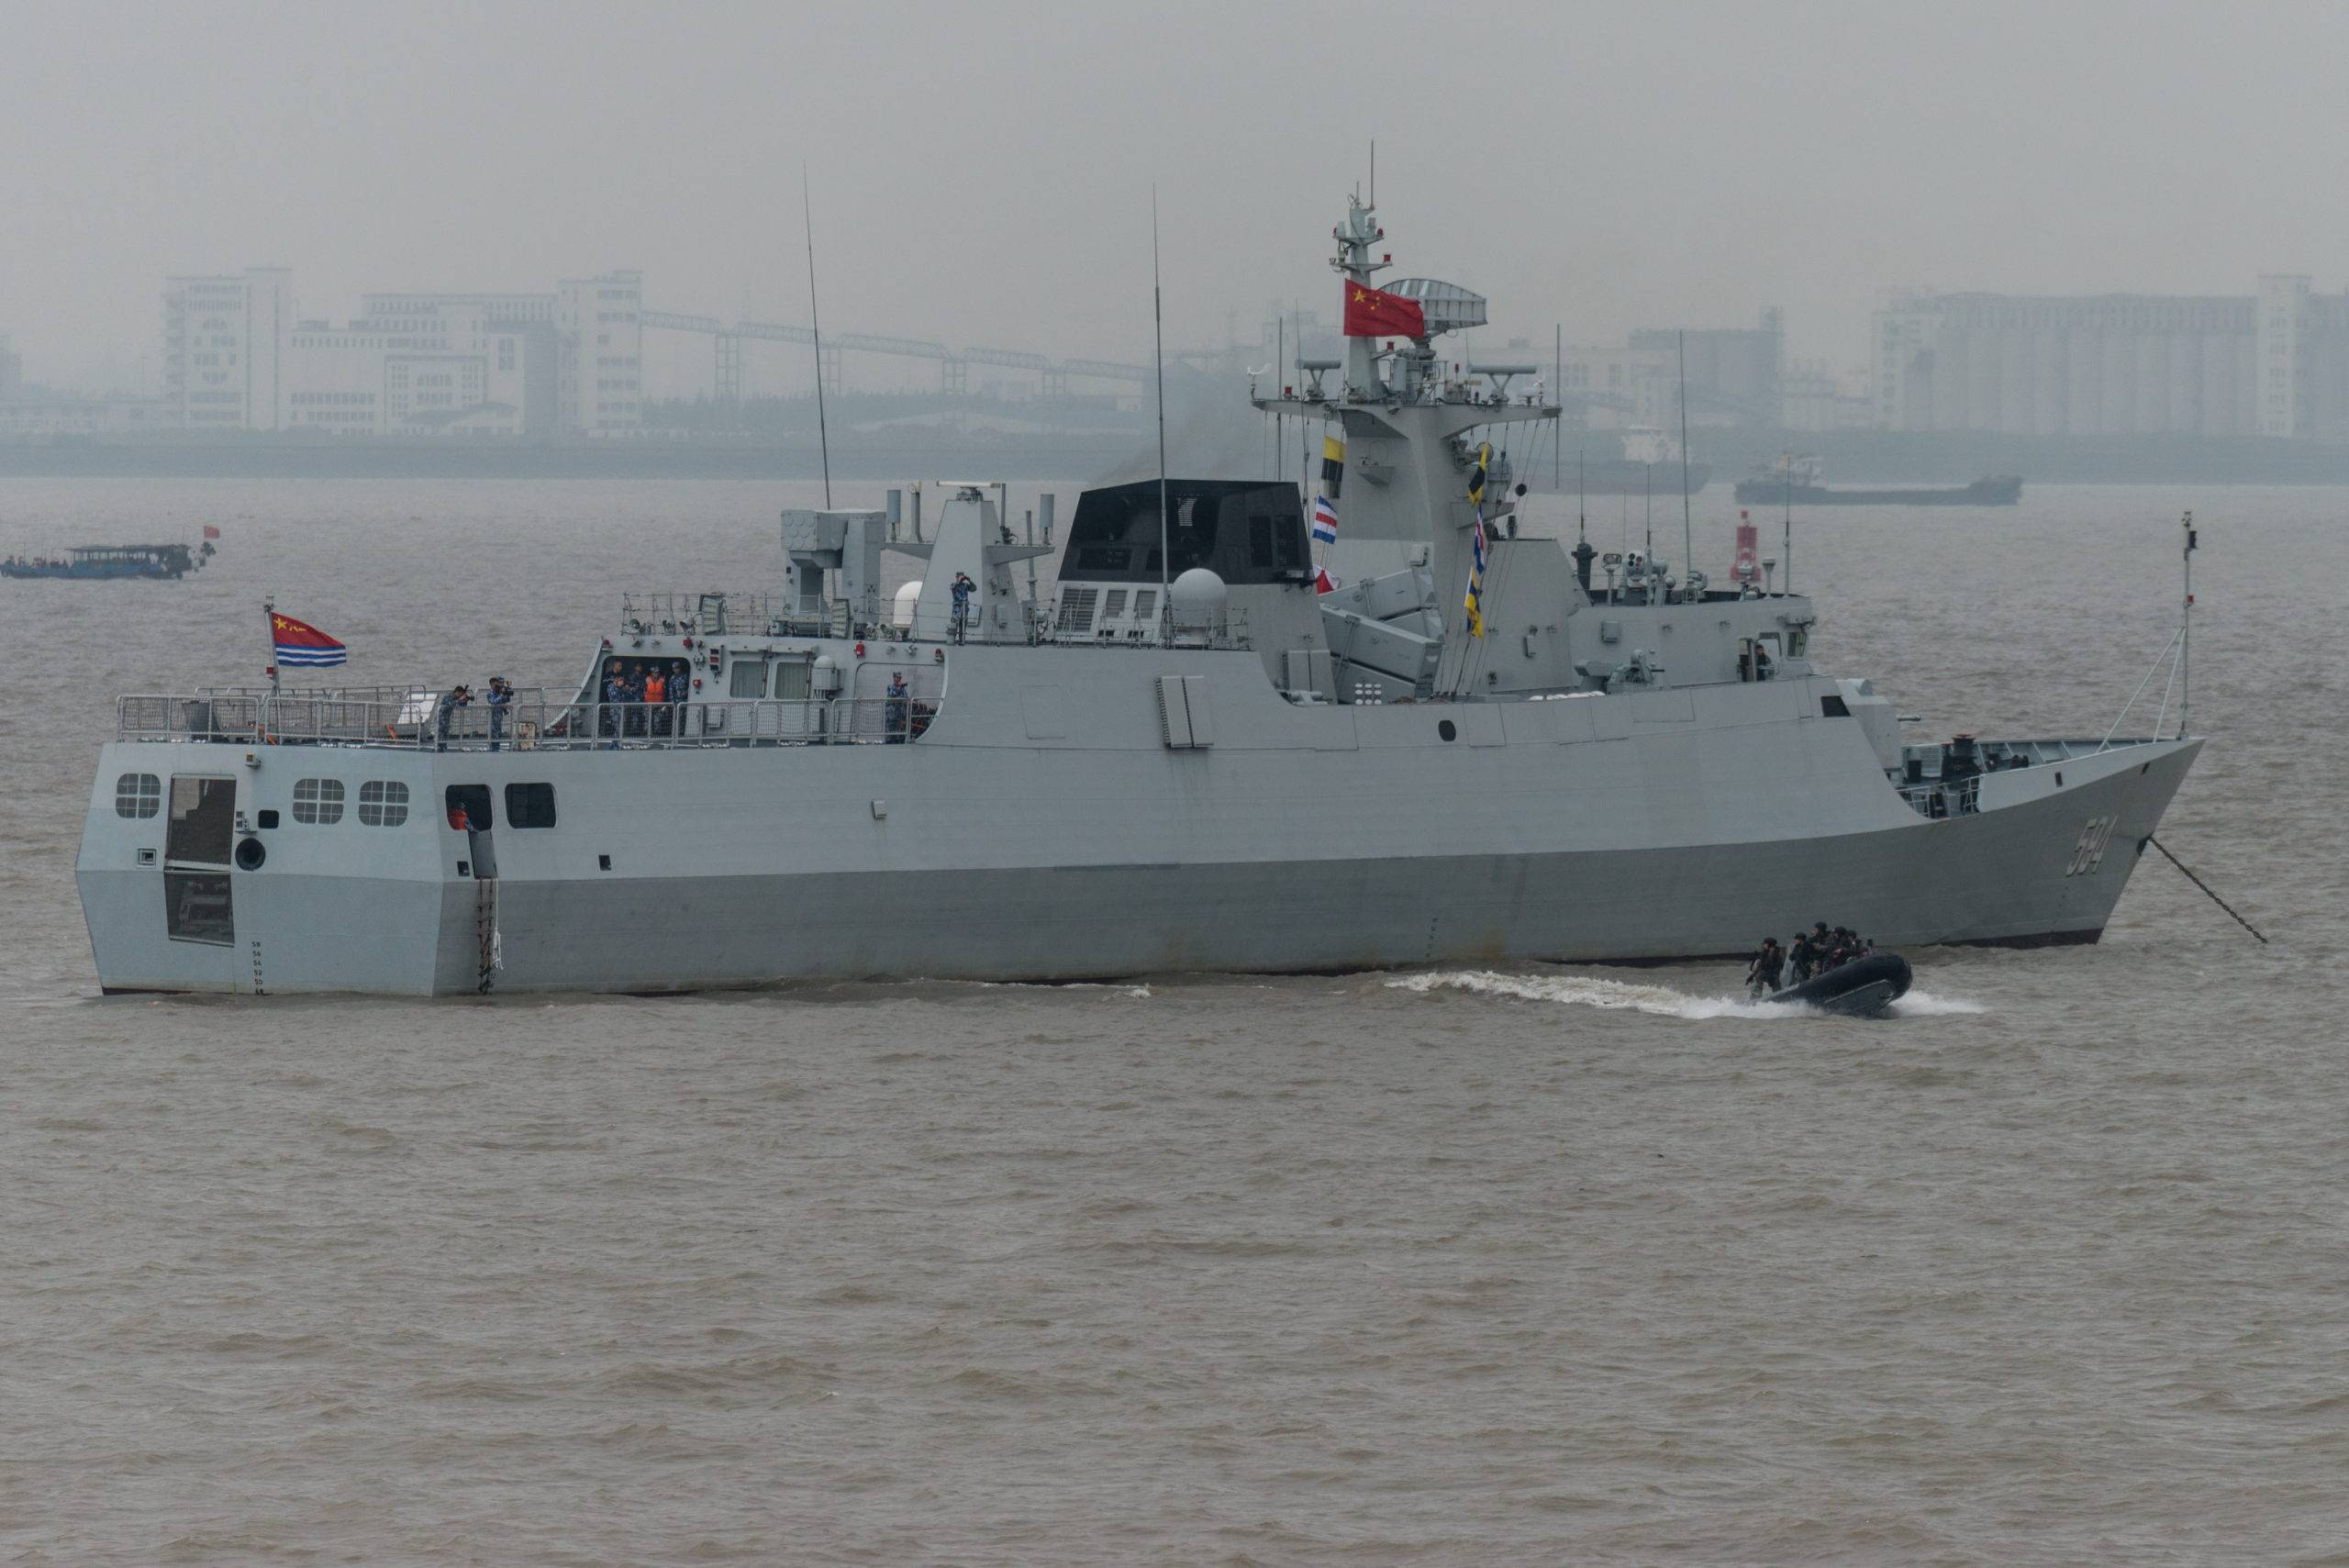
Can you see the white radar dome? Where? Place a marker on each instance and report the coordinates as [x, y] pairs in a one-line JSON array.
[[902, 614], [1198, 598]]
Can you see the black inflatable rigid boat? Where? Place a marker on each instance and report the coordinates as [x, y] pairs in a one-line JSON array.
[[1864, 989]]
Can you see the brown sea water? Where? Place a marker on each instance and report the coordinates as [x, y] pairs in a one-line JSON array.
[[1532, 1266]]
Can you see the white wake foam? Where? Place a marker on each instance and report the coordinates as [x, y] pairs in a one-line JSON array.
[[1660, 1000], [1924, 1005], [1580, 991]]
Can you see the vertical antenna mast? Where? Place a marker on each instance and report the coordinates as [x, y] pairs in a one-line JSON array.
[[815, 326], [1687, 529], [2186, 634], [1158, 330]]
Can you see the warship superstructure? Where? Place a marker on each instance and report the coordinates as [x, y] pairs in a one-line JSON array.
[[1154, 745]]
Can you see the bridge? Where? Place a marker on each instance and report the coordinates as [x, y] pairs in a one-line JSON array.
[[953, 364]]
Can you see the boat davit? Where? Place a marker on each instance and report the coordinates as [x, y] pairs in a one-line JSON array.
[[1864, 989]]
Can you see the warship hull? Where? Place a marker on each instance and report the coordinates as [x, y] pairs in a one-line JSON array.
[[1645, 827]]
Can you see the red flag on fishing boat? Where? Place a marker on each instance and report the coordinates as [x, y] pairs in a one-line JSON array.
[[211, 532], [300, 643], [1371, 312]]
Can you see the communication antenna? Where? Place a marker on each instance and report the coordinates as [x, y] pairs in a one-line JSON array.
[[1687, 529], [1280, 355], [2185, 631], [814, 326], [1582, 497], [1158, 329], [1787, 463]]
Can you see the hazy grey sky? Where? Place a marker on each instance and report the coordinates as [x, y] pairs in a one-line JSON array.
[[982, 173]]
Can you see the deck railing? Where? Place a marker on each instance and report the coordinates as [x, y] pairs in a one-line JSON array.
[[389, 717]]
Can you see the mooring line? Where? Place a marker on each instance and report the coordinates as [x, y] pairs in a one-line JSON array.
[[2205, 888]]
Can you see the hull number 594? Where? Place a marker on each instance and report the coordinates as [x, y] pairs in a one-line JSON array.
[[2088, 853]]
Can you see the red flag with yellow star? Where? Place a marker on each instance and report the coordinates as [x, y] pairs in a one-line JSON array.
[[1374, 313]]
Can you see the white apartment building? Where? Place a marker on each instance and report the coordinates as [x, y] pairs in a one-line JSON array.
[[1735, 376], [410, 364], [224, 347], [2272, 363], [600, 328]]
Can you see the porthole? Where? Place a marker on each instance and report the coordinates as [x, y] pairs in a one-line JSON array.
[[250, 853], [318, 801], [138, 795], [382, 803], [1448, 729]]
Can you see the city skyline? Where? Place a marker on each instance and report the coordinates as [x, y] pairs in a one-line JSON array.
[[1678, 164]]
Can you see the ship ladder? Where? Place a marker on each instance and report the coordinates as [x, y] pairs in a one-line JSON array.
[[489, 945]]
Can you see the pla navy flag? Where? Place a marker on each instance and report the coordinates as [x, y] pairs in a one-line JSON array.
[[1325, 521], [301, 645]]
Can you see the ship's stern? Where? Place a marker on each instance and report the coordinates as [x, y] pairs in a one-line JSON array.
[[227, 867]]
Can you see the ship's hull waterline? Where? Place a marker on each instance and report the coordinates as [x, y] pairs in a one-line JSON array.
[[846, 887]]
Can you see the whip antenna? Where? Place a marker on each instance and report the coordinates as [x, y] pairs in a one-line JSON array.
[[1687, 529], [1158, 330], [816, 327]]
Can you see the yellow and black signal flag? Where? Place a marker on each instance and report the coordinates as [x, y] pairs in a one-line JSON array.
[[1474, 604], [1333, 465]]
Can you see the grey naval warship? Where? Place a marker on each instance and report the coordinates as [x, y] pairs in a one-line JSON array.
[[1183, 751]]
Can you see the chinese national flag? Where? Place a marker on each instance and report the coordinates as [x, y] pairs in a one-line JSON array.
[[1372, 313]]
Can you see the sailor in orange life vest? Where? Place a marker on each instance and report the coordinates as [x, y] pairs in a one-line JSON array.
[[656, 692]]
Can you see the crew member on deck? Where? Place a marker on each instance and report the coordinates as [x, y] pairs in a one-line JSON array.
[[454, 698], [500, 698], [963, 590], [895, 711], [615, 694], [656, 692]]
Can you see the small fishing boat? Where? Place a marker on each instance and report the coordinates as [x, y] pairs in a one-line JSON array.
[[106, 561], [1864, 989]]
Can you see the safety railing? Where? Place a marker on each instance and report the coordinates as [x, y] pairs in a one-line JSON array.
[[414, 721]]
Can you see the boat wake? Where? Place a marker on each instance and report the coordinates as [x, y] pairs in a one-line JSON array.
[[1620, 996]]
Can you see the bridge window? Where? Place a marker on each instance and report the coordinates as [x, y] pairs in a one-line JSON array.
[[1246, 531], [382, 803], [137, 795], [318, 801], [529, 805], [747, 679]]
